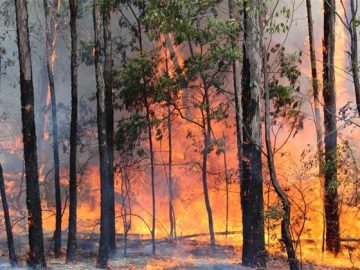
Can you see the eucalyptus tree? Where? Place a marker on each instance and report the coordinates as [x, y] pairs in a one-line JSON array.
[[208, 38], [36, 258]]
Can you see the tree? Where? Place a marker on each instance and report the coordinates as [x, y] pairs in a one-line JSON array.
[[9, 234], [103, 255], [36, 258], [331, 199], [109, 111], [252, 202], [72, 238], [51, 27], [316, 89]]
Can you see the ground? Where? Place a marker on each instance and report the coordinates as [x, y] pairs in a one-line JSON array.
[[188, 253]]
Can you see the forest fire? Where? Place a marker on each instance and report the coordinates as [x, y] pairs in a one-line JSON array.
[[168, 96]]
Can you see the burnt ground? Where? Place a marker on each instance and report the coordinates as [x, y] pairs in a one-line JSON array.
[[185, 254]]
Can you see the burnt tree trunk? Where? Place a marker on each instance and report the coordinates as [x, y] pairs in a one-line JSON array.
[[109, 111], [354, 52], [103, 256], [331, 199], [316, 90], [36, 258], [285, 221], [50, 59], [252, 202], [207, 145], [72, 232], [226, 187], [9, 234]]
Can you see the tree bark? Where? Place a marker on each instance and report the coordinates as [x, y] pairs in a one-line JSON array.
[[72, 232], [9, 234], [170, 181], [36, 258], [316, 90], [354, 52], [103, 256], [109, 111], [331, 199], [226, 187], [50, 59], [207, 142], [252, 202]]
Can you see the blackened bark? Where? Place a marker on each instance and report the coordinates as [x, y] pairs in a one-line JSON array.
[[72, 232], [226, 188], [207, 142], [252, 202], [316, 90], [354, 52], [103, 255], [9, 234], [36, 258], [109, 110], [331, 199], [50, 58]]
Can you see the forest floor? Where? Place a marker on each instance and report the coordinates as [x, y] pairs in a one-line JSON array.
[[188, 253]]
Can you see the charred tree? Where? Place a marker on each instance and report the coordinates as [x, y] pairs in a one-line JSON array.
[[331, 200], [316, 90], [252, 202], [227, 182], [36, 258], [109, 111], [9, 234], [72, 232], [103, 255], [50, 58]]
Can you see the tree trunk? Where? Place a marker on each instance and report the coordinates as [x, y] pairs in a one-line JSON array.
[[285, 221], [103, 256], [170, 182], [252, 201], [226, 188], [331, 199], [72, 239], [152, 169], [354, 52], [36, 258], [50, 58], [9, 234], [207, 142], [109, 111], [316, 90]]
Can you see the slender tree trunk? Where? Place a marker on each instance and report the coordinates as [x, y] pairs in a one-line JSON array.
[[152, 169], [103, 256], [354, 56], [252, 201], [9, 234], [50, 55], [331, 199], [316, 90], [170, 181], [226, 188], [109, 110], [207, 142], [285, 222], [72, 239], [237, 97], [36, 258]]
